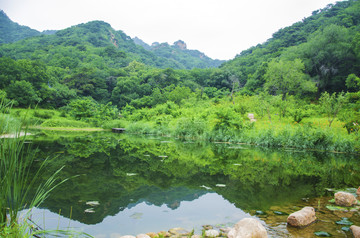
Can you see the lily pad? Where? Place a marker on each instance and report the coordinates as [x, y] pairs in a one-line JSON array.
[[345, 228], [207, 188], [131, 174], [344, 221], [89, 210], [92, 203], [336, 208], [280, 213], [322, 233], [260, 213], [220, 185]]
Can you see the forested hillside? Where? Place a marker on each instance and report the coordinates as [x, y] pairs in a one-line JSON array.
[[320, 53], [11, 31], [327, 44]]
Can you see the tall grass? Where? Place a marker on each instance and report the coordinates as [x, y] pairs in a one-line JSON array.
[[17, 181]]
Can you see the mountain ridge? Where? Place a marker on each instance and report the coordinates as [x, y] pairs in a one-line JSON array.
[[91, 32]]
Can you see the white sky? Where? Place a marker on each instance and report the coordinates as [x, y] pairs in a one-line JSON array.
[[219, 28]]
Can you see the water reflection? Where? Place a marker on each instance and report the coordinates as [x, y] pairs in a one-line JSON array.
[[150, 184]]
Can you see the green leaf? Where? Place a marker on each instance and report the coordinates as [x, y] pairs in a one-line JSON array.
[[322, 234], [344, 221]]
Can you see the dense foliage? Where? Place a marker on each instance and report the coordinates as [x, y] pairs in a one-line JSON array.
[[326, 42], [100, 76]]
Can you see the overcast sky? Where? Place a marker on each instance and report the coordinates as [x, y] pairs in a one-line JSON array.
[[219, 28]]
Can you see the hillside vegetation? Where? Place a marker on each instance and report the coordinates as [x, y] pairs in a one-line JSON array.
[[302, 84]]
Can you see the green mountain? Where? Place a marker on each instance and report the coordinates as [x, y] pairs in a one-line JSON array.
[[100, 34], [327, 42], [320, 53], [11, 31]]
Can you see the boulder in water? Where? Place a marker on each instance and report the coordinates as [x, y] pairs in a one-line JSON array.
[[303, 217], [355, 230], [248, 228], [345, 199]]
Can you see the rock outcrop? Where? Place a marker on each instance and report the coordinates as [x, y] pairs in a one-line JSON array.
[[358, 191], [345, 199], [248, 228], [180, 44], [302, 218]]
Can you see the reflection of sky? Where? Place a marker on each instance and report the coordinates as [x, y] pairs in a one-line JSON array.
[[210, 208]]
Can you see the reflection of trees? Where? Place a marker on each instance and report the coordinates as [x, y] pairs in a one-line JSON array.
[[120, 171]]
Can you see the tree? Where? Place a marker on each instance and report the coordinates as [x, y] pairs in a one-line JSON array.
[[328, 57], [353, 82], [23, 93], [287, 77], [332, 104]]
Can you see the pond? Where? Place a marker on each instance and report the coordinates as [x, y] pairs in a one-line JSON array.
[[129, 184]]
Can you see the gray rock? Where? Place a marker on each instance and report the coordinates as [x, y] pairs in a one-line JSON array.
[[355, 230], [302, 218], [248, 228], [345, 199], [212, 233]]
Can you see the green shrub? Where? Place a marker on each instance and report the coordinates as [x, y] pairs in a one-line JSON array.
[[191, 128], [44, 114], [62, 122], [142, 128], [115, 124]]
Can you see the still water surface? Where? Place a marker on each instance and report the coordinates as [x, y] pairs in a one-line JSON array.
[[130, 184]]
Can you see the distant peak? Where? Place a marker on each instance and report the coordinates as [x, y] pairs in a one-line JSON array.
[[180, 44]]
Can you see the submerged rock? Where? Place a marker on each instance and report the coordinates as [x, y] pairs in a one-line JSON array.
[[345, 199], [355, 230], [212, 233], [179, 231], [152, 234], [301, 218], [248, 228], [207, 227], [196, 236]]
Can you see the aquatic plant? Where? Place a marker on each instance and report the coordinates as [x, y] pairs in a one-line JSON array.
[[17, 181]]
